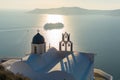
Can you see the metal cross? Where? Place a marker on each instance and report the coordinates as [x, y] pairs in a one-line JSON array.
[[38, 30]]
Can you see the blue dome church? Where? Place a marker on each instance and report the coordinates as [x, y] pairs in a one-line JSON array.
[[38, 44], [53, 64]]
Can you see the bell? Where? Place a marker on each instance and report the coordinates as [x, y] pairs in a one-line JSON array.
[[68, 44], [66, 36]]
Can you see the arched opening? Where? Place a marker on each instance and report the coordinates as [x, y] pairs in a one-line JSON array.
[[66, 37], [63, 46], [35, 49], [69, 45]]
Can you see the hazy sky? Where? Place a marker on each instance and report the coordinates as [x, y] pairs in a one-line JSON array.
[[31, 4]]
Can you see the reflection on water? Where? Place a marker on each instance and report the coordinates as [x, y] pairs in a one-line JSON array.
[[53, 36], [55, 19]]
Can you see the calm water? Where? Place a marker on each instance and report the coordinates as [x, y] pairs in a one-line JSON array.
[[97, 34]]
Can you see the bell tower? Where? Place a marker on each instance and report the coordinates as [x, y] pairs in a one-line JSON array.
[[65, 44]]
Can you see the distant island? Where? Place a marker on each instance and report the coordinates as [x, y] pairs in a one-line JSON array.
[[50, 26], [74, 11]]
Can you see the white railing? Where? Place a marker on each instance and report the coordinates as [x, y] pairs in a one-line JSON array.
[[104, 74]]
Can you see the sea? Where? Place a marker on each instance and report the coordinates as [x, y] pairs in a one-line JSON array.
[[98, 34]]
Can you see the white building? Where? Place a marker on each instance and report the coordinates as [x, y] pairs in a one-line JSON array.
[[64, 64]]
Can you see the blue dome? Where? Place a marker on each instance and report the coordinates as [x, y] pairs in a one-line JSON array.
[[38, 39]]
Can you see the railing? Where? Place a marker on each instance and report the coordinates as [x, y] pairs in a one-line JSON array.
[[104, 74]]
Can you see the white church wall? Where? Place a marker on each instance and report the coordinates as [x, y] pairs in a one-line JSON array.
[[40, 48]]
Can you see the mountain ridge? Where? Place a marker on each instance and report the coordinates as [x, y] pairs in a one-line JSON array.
[[74, 11]]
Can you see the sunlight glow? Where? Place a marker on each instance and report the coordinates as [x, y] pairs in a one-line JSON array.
[[54, 37], [55, 19]]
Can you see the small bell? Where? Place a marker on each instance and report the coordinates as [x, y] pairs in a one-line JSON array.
[[68, 44]]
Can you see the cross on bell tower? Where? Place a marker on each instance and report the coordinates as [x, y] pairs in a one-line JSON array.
[[38, 30], [65, 44]]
